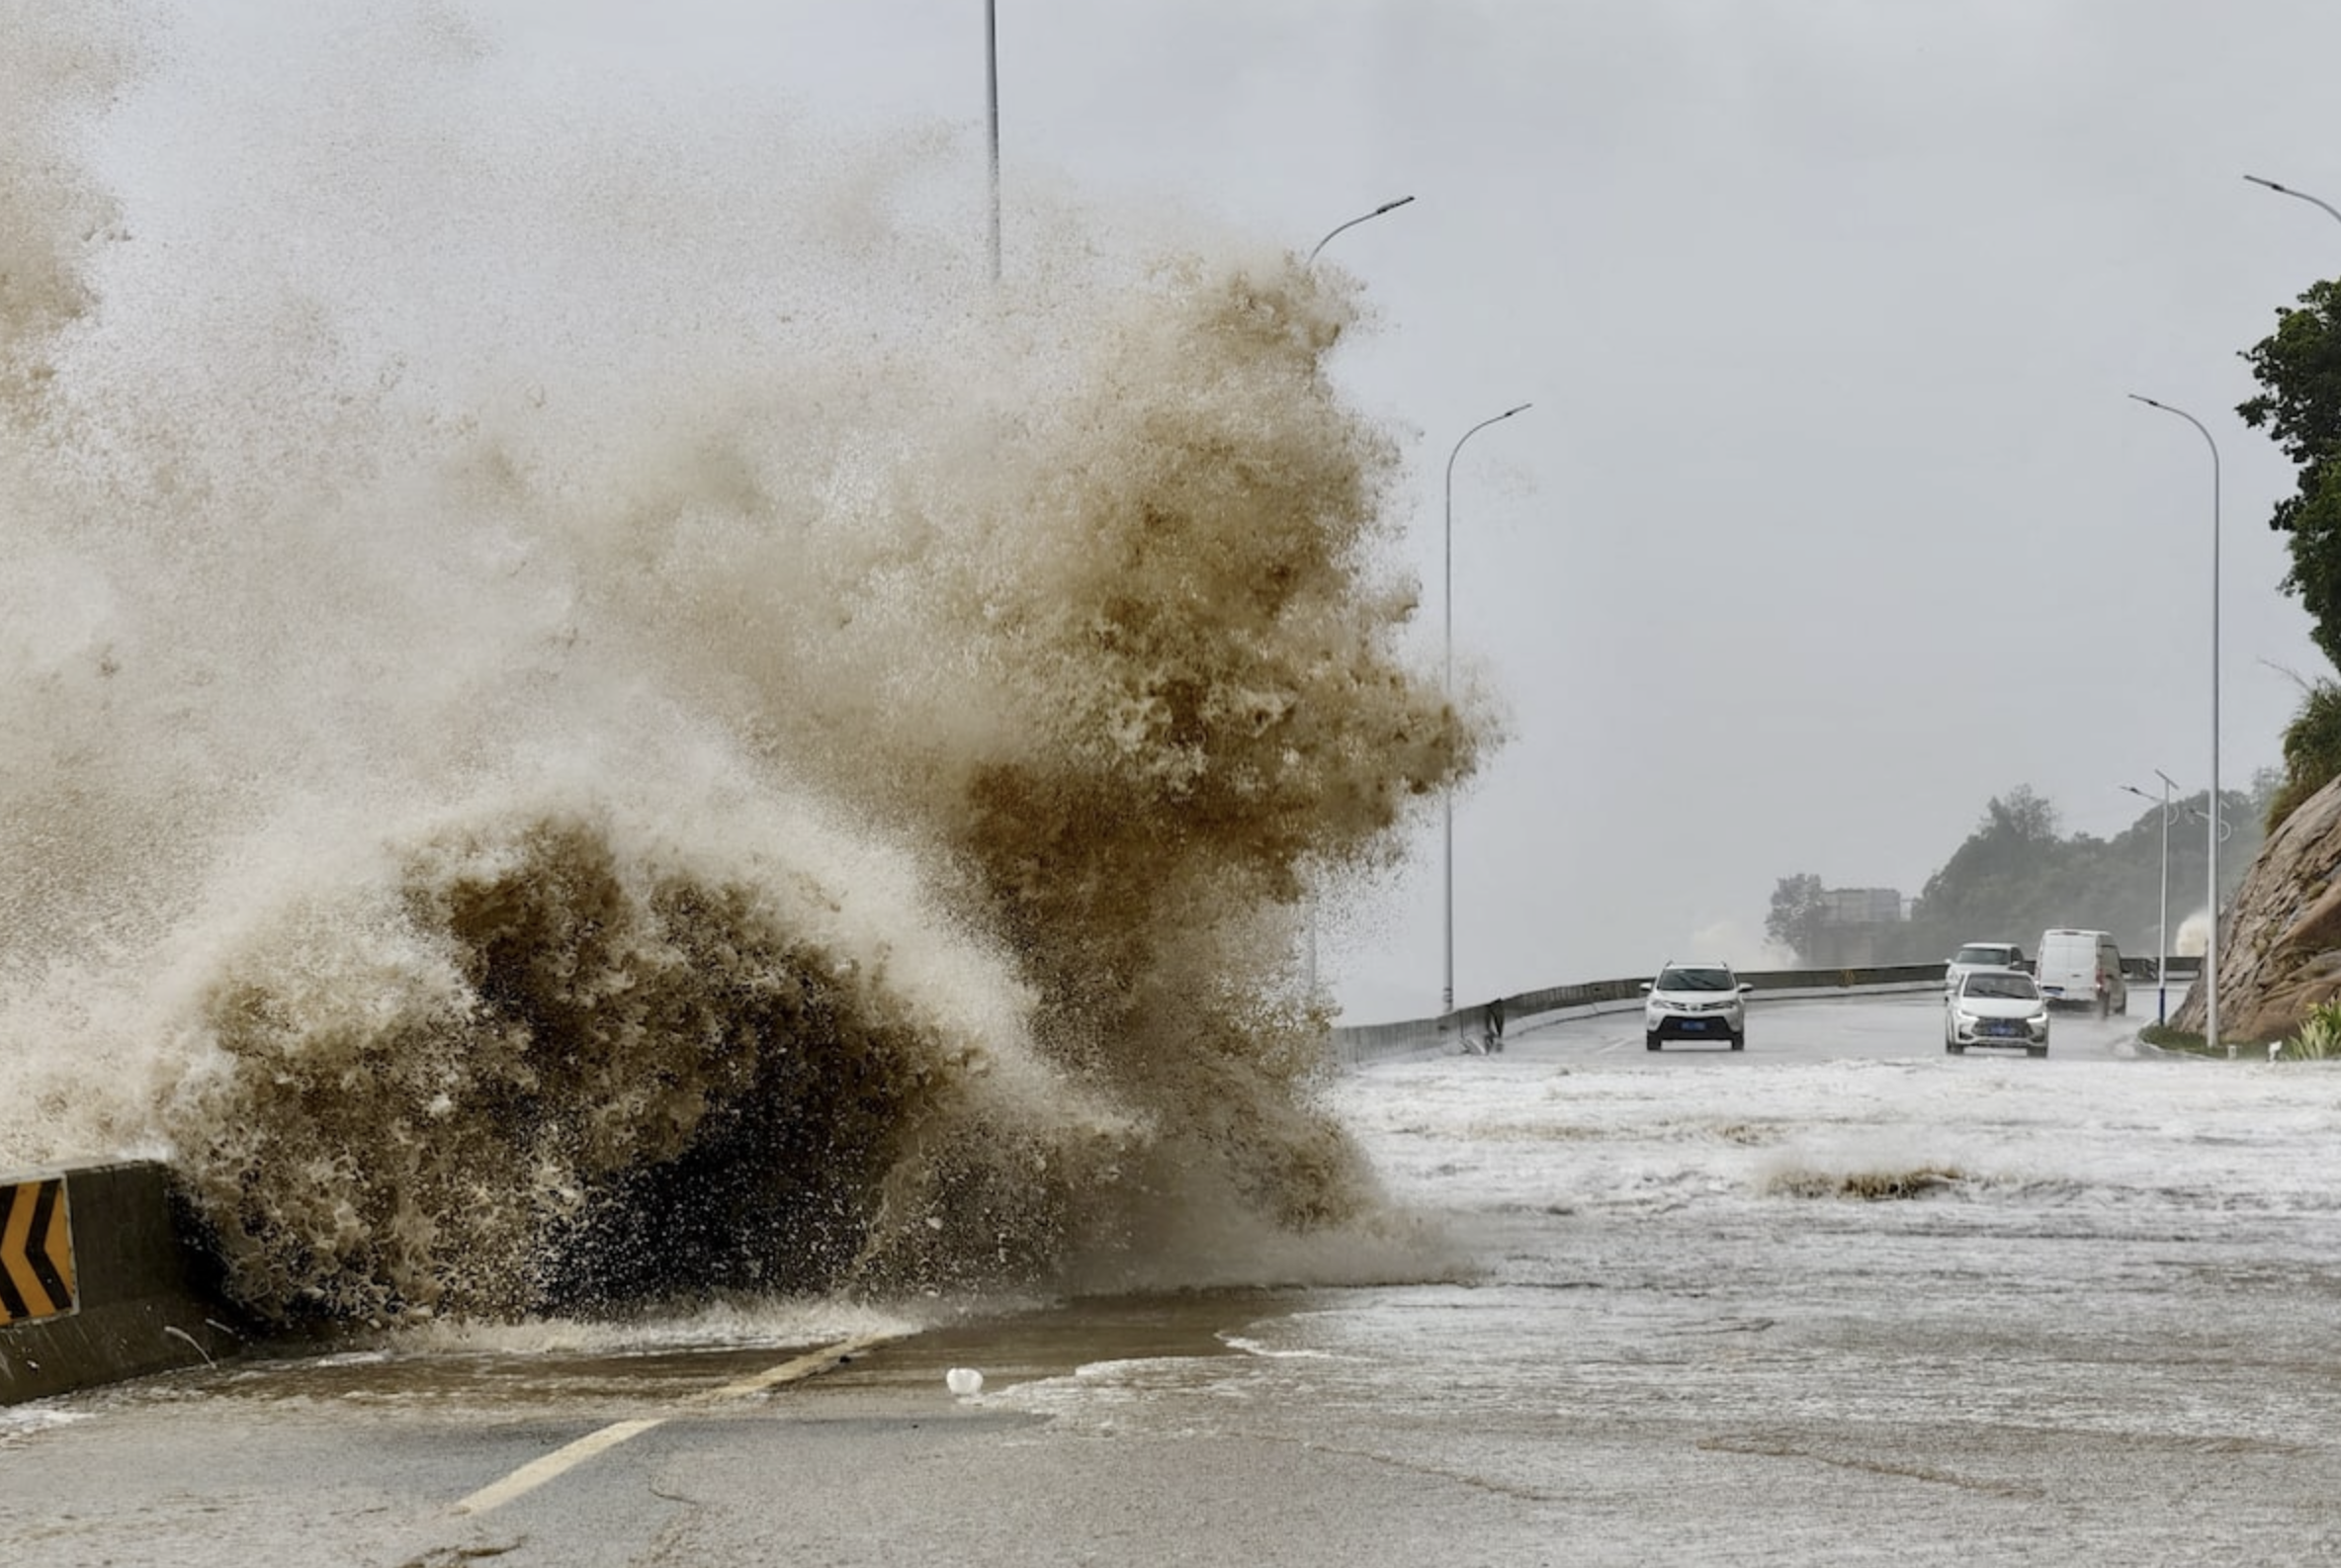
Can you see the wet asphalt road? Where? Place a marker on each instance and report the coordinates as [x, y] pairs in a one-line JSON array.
[[1836, 1299]]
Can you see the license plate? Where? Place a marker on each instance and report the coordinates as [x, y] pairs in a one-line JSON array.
[[1694, 1024], [2000, 1028]]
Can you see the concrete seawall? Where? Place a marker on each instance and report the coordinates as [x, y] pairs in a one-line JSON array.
[[1355, 1045], [98, 1281]]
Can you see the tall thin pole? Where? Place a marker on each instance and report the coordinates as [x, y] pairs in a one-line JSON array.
[[2162, 921], [1386, 207], [2210, 946], [992, 104], [1446, 992], [2162, 917]]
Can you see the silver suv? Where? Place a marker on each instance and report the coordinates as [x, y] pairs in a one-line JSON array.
[[1696, 1001]]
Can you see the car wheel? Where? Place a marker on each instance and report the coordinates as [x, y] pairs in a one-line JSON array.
[[2036, 1050], [1649, 1041], [1955, 1048], [1739, 1042]]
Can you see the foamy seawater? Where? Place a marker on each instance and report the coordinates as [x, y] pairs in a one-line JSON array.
[[596, 719], [1838, 1296], [1990, 1135]]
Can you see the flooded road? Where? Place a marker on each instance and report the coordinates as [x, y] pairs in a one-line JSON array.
[[1838, 1298]]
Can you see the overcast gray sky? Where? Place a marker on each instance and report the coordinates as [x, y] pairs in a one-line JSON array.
[[1831, 519]]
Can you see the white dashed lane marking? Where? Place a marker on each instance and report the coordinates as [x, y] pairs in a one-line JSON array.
[[561, 1460]]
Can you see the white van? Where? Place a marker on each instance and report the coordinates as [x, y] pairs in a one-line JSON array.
[[2067, 964]]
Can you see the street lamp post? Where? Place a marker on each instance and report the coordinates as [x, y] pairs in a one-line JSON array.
[[2286, 189], [2210, 945], [2162, 916], [2194, 814], [992, 108], [1310, 974], [1353, 224], [1446, 993]]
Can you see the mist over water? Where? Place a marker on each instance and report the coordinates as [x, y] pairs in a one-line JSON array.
[[593, 717]]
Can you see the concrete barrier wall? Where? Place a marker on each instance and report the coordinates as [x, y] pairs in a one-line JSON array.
[[134, 1300], [1355, 1045]]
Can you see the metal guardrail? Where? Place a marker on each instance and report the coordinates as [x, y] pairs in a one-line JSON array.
[[2181, 968], [1353, 1045]]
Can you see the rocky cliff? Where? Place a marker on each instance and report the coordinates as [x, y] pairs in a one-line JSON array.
[[2280, 944]]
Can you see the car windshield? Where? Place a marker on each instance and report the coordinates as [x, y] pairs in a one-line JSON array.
[[1694, 980], [1982, 955], [2017, 987]]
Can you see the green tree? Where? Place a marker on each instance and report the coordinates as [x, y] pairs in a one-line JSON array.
[[1796, 908], [2299, 367], [2311, 753]]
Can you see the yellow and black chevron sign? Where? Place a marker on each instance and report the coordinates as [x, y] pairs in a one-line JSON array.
[[36, 1251]]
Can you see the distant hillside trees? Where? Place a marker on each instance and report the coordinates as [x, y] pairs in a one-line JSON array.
[[2010, 881], [1797, 908], [2015, 877]]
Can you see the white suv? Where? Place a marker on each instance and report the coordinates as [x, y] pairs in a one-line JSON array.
[[1980, 955], [1696, 1001]]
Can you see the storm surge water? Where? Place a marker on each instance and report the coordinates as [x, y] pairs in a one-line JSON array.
[[593, 717]]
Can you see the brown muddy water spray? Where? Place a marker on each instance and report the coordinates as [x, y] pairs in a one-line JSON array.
[[592, 716]]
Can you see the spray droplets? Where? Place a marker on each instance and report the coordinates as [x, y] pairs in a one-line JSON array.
[[653, 743]]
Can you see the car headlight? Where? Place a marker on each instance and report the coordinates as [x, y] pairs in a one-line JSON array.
[[1967, 1018], [2039, 1020]]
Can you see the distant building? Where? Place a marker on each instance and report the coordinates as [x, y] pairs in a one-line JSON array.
[[1853, 926]]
